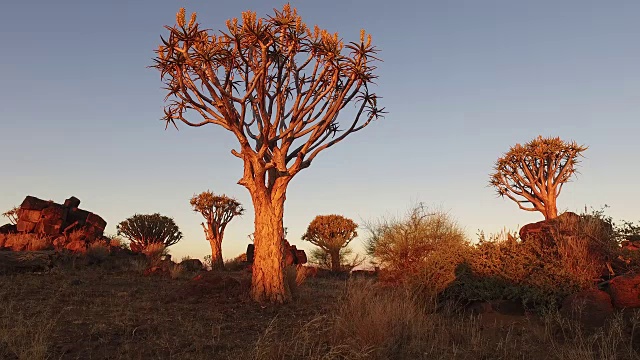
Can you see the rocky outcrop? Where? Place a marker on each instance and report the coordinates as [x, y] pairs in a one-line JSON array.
[[50, 218]]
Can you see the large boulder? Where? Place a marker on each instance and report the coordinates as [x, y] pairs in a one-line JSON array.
[[591, 307], [625, 291], [565, 224], [50, 218]]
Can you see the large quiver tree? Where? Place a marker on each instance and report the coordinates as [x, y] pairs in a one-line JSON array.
[[533, 174], [279, 87], [217, 210], [331, 233]]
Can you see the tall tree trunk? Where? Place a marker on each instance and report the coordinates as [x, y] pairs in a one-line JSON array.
[[268, 283], [215, 240], [335, 260], [217, 263]]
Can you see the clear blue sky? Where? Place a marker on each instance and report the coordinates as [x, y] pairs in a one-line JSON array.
[[462, 81]]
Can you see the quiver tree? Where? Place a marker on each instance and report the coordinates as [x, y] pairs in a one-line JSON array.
[[533, 174], [331, 233], [145, 230], [217, 210], [279, 87], [12, 215]]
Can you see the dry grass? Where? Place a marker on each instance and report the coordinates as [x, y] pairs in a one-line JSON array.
[[98, 314]]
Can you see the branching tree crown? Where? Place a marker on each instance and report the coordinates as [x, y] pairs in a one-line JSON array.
[[533, 174], [275, 83], [12, 215], [216, 209], [144, 230], [279, 86], [331, 233]]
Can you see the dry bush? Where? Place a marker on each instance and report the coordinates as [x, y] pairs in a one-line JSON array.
[[155, 251], [176, 271], [236, 264], [375, 322], [98, 251], [294, 278], [27, 242], [422, 249], [539, 272]]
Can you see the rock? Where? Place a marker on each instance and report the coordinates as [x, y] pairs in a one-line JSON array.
[[625, 291], [8, 229], [191, 265], [564, 224], [72, 202], [49, 218], [590, 307]]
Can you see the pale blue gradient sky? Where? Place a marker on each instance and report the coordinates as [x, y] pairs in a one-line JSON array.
[[462, 81]]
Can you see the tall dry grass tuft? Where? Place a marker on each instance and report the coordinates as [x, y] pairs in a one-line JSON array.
[[25, 335], [375, 322]]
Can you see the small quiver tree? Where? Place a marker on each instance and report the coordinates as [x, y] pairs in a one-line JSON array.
[[12, 215], [279, 87], [217, 210], [533, 174], [331, 233], [144, 231]]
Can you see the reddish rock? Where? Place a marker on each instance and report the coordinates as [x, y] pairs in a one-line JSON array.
[[591, 307], [564, 224], [625, 291]]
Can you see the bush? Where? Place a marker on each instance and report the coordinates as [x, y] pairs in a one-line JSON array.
[[541, 271], [423, 249]]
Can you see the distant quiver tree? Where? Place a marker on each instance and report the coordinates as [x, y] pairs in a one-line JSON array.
[[217, 210], [331, 233], [144, 230], [533, 174]]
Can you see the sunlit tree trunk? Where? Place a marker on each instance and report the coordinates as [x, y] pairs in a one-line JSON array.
[[268, 193], [335, 260], [268, 284], [215, 240], [550, 209]]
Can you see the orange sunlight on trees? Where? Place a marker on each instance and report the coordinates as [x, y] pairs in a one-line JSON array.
[[331, 233], [535, 172], [218, 211], [279, 86]]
